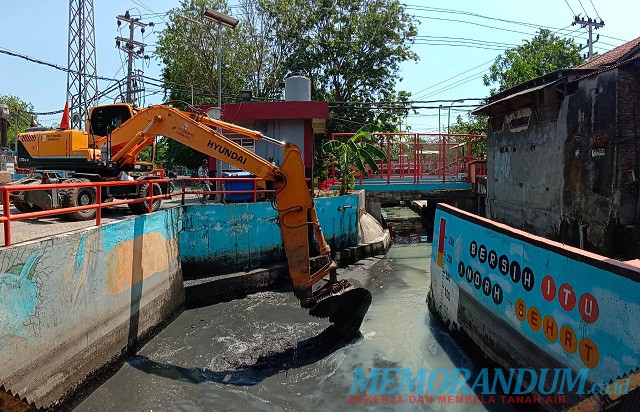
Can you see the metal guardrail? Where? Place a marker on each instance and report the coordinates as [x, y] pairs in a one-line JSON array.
[[450, 156], [7, 217]]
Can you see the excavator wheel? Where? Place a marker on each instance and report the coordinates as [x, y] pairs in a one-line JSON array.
[[78, 196], [26, 207], [345, 304], [141, 208]]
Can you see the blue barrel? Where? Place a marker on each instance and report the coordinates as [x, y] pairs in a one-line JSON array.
[[240, 185]]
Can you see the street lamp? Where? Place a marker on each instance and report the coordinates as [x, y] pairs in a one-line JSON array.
[[226, 21], [449, 120], [4, 124], [222, 20]]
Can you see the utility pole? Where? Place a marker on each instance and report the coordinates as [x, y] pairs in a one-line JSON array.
[[82, 82], [591, 24], [129, 45]]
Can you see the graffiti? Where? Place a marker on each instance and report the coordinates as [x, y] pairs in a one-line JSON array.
[[19, 293]]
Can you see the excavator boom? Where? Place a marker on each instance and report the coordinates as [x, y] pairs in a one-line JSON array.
[[344, 302]]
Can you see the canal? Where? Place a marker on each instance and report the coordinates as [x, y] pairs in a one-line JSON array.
[[265, 353]]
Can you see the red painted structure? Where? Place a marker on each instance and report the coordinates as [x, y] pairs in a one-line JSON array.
[[261, 115], [422, 156]]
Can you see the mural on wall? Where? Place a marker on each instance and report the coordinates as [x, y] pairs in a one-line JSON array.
[[74, 280], [19, 293], [146, 246], [571, 304]]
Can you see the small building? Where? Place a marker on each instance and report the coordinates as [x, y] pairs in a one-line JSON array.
[[563, 154], [294, 120]]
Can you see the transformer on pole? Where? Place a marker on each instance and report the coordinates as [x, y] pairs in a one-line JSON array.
[[82, 82]]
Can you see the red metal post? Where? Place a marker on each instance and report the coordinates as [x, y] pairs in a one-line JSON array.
[[255, 190], [184, 188], [6, 209], [362, 171], [150, 194], [388, 160], [444, 158], [415, 159], [457, 161], [99, 203], [401, 162]]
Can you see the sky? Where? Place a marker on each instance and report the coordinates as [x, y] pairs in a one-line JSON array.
[[455, 49]]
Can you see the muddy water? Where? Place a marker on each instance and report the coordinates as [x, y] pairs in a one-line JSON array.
[[405, 225], [265, 353]]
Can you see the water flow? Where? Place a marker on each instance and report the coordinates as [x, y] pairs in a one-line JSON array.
[[265, 353]]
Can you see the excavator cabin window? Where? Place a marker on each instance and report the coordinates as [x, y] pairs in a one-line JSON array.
[[106, 119]]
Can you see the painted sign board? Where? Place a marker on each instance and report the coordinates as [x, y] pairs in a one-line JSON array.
[[580, 308]]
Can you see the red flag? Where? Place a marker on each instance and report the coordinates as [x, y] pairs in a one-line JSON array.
[[64, 123]]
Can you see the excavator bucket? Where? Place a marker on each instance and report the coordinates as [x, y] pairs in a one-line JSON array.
[[345, 302], [14, 403]]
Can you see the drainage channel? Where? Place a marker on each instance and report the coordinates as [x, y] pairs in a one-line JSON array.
[[265, 353]]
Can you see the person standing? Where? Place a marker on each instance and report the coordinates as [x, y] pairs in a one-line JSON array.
[[203, 172]]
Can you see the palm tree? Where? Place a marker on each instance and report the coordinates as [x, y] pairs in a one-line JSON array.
[[358, 151]]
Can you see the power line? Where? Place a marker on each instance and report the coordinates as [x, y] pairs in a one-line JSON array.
[[583, 9], [570, 8], [52, 65], [594, 8], [453, 77]]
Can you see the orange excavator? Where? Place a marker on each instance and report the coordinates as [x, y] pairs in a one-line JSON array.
[[117, 133]]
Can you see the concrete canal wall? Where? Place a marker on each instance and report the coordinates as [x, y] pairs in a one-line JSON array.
[[240, 236], [73, 303], [534, 303]]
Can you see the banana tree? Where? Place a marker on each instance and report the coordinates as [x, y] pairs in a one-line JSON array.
[[357, 151]]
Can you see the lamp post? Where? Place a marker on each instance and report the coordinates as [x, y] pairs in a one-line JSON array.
[[4, 124], [449, 120], [221, 20], [226, 21], [6, 156]]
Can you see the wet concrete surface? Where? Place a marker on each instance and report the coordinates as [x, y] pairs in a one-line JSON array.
[[265, 353]]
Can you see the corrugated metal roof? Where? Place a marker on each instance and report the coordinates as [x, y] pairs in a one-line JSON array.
[[484, 110]]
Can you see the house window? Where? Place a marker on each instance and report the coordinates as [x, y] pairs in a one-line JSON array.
[[496, 124], [246, 143], [519, 120]]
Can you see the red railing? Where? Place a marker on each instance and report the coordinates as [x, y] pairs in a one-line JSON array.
[[418, 156], [7, 217]]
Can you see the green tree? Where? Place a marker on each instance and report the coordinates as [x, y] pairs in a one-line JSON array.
[[356, 151], [22, 110], [352, 51], [543, 54], [473, 125]]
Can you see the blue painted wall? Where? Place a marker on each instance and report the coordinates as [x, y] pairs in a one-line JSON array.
[[411, 187], [576, 306], [222, 238]]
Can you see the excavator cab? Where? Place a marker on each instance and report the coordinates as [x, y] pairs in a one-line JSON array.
[[105, 119]]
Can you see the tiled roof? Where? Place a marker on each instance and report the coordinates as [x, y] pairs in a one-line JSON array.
[[614, 55]]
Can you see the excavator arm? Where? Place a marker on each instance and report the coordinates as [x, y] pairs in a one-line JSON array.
[[344, 302]]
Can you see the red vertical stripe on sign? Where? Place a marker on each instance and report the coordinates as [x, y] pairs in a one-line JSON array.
[[443, 224]]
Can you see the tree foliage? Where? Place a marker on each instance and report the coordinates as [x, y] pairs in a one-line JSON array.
[[473, 125], [543, 54], [20, 108], [350, 49]]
